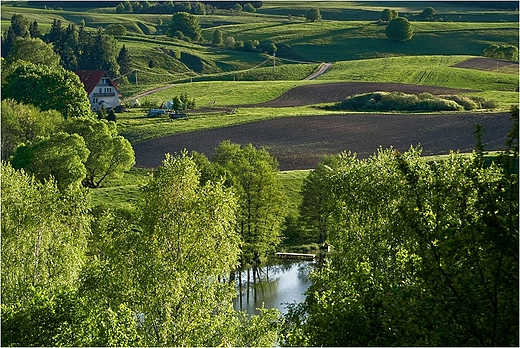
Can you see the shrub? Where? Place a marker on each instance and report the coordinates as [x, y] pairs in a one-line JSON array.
[[466, 102], [398, 101]]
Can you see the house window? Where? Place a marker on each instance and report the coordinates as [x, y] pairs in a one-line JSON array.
[[94, 100], [104, 81], [108, 90]]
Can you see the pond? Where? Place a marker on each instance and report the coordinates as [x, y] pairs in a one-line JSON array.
[[275, 286]]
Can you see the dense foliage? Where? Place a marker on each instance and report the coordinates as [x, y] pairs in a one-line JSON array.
[[399, 101], [505, 52], [388, 14], [110, 155], [251, 173], [425, 253], [77, 48], [128, 278], [23, 124], [399, 29], [46, 87], [185, 24]]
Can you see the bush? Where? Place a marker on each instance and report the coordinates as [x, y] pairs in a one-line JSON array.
[[466, 102], [398, 101]]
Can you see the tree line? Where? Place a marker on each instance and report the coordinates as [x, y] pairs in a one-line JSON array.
[[76, 47]]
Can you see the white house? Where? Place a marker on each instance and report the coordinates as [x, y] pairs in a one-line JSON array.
[[100, 88]]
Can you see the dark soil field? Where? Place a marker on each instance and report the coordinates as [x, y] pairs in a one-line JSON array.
[[488, 64], [337, 92], [301, 142]]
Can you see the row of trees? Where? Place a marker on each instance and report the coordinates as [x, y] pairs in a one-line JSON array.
[[424, 253], [47, 125], [77, 48], [193, 7]]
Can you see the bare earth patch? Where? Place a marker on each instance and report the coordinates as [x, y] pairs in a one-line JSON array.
[[301, 142], [488, 64]]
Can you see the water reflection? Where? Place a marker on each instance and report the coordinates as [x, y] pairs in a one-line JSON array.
[[274, 285]]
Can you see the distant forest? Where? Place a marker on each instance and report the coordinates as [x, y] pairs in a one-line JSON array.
[[97, 4]]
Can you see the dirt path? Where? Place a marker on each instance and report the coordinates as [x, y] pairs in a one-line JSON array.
[[321, 70], [301, 142]]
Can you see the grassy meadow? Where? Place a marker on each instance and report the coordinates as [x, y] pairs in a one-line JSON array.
[[348, 36]]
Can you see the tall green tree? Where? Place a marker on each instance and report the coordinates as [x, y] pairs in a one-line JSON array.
[[34, 30], [313, 15], [44, 236], [387, 15], [60, 156], [124, 59], [188, 241], [429, 12], [17, 29], [110, 155], [186, 23], [399, 29], [35, 51], [47, 88], [20, 25], [251, 172], [317, 200], [22, 124], [425, 253], [218, 37], [44, 245]]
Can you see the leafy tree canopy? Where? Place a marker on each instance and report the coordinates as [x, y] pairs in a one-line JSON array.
[[424, 253], [44, 236], [505, 52], [252, 174], [22, 124], [187, 24], [35, 51], [313, 15], [47, 88], [388, 14], [60, 156], [399, 29], [110, 154]]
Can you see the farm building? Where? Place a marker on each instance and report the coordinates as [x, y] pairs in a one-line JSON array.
[[100, 88]]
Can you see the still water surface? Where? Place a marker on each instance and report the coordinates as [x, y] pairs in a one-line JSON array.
[[278, 286]]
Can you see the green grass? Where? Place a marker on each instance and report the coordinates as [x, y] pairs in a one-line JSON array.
[[125, 192], [422, 70], [136, 127], [292, 184]]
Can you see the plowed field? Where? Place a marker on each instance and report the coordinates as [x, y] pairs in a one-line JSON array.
[[488, 64], [336, 92], [301, 142]]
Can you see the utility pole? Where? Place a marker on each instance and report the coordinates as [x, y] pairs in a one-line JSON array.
[[136, 83], [274, 62]]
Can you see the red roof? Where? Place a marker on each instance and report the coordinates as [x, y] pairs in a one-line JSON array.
[[91, 78]]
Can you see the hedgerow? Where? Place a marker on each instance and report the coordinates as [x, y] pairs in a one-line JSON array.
[[399, 101]]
